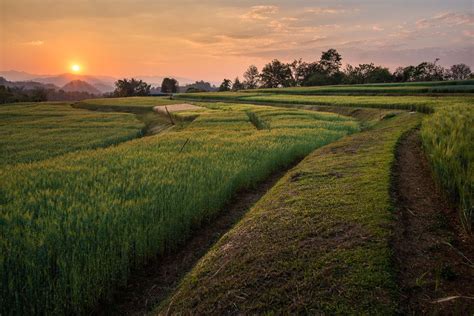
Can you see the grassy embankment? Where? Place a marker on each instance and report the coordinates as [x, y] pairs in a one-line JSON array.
[[318, 242], [37, 131], [73, 226]]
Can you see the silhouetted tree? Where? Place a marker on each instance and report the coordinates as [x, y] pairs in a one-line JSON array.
[[225, 85], [132, 87], [276, 74], [460, 72], [169, 85], [237, 85], [251, 77], [366, 73], [331, 62]]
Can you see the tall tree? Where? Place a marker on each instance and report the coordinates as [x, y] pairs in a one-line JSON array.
[[169, 85], [251, 77], [226, 85], [460, 72], [331, 62], [276, 74], [237, 85]]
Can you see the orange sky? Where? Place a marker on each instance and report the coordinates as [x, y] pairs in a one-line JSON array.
[[215, 39]]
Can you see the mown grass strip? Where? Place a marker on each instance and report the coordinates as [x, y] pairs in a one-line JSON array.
[[318, 242]]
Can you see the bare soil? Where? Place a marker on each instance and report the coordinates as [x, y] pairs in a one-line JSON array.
[[148, 286], [434, 258]]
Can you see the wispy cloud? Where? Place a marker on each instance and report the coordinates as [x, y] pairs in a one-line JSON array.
[[260, 12], [377, 28], [446, 19], [34, 43], [321, 10]]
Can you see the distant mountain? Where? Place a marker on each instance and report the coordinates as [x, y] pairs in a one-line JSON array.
[[27, 85], [13, 75], [80, 86]]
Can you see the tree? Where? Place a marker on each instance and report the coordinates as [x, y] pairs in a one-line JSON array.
[[132, 87], [460, 72], [404, 74], [251, 77], [366, 73], [331, 62], [169, 85], [276, 74], [225, 85], [237, 85], [429, 71]]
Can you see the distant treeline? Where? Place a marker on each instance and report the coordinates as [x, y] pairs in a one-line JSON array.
[[328, 71], [133, 87], [20, 94]]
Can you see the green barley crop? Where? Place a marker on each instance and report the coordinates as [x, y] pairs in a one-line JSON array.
[[36, 131], [72, 227], [424, 104], [448, 137]]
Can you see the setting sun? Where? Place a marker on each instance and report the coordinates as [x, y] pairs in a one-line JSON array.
[[75, 68]]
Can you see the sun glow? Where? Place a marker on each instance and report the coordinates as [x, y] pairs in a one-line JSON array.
[[76, 68]]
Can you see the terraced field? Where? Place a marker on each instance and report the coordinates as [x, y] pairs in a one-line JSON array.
[[87, 200], [87, 217]]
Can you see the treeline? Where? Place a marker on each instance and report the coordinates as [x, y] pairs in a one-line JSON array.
[[328, 71], [20, 94]]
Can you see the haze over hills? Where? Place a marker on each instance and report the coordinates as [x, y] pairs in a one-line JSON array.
[[80, 86], [102, 83]]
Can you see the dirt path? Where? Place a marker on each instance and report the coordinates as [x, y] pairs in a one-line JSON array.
[[148, 286], [433, 258]]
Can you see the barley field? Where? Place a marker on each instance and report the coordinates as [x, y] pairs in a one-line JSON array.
[[73, 226]]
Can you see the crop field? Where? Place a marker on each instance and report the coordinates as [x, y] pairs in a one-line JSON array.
[[330, 247], [425, 104], [93, 190], [74, 225], [447, 135], [36, 131], [448, 138], [406, 88]]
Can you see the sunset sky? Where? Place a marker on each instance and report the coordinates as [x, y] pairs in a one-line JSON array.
[[211, 40]]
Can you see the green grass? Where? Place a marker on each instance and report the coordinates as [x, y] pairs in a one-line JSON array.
[[36, 131], [317, 243], [73, 226], [423, 104], [412, 88], [448, 138]]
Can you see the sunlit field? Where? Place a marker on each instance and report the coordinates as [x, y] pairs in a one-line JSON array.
[[73, 226], [403, 88], [36, 131]]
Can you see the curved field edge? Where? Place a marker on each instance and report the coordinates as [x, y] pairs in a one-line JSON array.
[[74, 225], [318, 242]]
